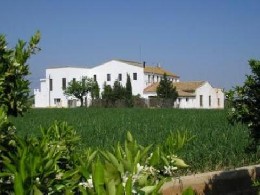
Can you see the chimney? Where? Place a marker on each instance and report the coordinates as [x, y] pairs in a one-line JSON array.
[[143, 64]]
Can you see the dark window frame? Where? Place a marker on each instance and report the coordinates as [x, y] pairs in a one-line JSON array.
[[64, 83], [119, 77], [108, 77], [50, 84], [201, 100], [134, 76]]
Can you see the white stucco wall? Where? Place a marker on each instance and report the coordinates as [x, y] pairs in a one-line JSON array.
[[150, 78], [56, 74], [206, 90], [46, 98], [41, 95], [114, 68], [186, 102]]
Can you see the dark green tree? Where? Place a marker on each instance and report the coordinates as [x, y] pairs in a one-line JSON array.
[[166, 90], [128, 92], [14, 86], [79, 89], [95, 91], [118, 91], [107, 94], [245, 101]]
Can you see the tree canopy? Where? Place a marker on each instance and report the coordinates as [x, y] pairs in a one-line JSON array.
[[166, 90], [128, 94], [79, 89], [245, 101], [14, 86], [118, 94], [95, 91]]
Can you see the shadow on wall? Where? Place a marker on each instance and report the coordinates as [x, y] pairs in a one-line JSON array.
[[234, 182]]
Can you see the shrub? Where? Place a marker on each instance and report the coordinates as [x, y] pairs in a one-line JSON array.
[[245, 101]]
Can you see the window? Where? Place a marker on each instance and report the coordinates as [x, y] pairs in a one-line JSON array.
[[134, 76], [218, 102], [51, 87], [157, 78], [74, 79], [63, 83], [153, 79], [201, 100], [120, 77], [95, 77], [149, 78], [209, 100], [187, 99], [56, 100], [108, 77]]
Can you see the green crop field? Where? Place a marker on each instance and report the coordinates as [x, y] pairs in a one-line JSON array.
[[216, 145]]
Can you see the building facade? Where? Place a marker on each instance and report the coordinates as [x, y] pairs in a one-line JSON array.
[[193, 94], [144, 80]]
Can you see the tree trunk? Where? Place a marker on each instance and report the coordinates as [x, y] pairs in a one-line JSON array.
[[81, 102]]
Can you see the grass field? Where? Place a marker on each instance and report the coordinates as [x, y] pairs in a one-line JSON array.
[[217, 144]]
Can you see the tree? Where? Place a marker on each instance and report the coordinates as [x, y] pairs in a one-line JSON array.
[[95, 91], [107, 94], [79, 89], [118, 91], [14, 86], [166, 90], [128, 93], [245, 102]]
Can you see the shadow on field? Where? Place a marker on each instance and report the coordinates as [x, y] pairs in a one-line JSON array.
[[238, 182]]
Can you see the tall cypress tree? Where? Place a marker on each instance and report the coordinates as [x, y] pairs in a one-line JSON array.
[[128, 94]]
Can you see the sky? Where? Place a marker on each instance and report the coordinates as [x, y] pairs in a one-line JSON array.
[[197, 40]]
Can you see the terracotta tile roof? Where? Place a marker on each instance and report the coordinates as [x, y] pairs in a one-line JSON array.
[[149, 69], [151, 88], [184, 89], [158, 70]]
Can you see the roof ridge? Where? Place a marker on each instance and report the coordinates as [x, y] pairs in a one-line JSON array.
[[122, 60], [56, 67]]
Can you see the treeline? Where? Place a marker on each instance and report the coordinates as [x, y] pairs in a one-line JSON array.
[[118, 96]]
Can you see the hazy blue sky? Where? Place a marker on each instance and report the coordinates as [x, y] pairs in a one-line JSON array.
[[196, 39]]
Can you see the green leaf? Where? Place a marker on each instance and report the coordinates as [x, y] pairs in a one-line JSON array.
[[18, 184], [36, 191], [180, 163], [142, 179], [155, 159], [129, 136], [111, 187], [128, 186], [98, 177], [120, 189], [148, 189]]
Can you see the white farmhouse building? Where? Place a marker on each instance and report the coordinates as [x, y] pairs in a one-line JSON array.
[[194, 94], [144, 80]]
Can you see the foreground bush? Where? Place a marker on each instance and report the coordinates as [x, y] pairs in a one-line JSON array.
[[50, 164]]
